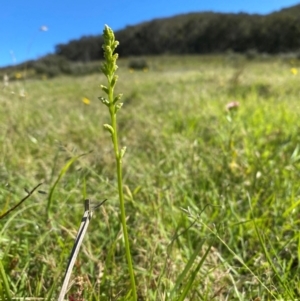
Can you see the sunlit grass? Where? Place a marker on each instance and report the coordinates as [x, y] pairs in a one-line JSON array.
[[189, 160]]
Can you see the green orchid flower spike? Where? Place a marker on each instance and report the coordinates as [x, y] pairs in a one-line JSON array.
[[109, 68]]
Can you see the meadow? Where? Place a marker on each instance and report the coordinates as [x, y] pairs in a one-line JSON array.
[[211, 193]]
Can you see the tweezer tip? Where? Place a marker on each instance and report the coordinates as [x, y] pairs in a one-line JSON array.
[[86, 204]]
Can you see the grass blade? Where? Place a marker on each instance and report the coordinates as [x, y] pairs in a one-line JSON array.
[[268, 257], [193, 275], [239, 259], [5, 282], [61, 174], [186, 270]]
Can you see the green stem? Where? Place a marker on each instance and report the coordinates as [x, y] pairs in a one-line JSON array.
[[121, 197], [109, 68]]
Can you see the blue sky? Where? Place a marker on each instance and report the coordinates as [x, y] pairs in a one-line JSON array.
[[21, 20]]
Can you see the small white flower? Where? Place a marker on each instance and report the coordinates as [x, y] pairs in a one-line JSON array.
[[22, 93]]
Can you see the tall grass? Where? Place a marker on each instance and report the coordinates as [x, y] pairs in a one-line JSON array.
[[192, 171]]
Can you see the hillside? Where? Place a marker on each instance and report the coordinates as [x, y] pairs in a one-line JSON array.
[[292, 10], [193, 33], [198, 33]]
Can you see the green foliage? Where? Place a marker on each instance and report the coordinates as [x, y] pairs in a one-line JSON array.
[[196, 175], [63, 171], [52, 65], [84, 50], [198, 33], [138, 64], [4, 286]]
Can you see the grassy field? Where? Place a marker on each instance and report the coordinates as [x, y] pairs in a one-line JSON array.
[[197, 177]]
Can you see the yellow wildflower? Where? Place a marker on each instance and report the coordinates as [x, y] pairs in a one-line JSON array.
[[18, 75], [294, 71], [233, 166], [86, 101]]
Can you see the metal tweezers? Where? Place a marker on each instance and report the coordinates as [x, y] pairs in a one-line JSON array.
[[88, 212]]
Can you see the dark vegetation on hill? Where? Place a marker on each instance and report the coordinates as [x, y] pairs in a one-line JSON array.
[[198, 33], [194, 33]]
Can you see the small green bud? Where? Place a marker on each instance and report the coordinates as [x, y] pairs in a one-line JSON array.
[[104, 68], [104, 88], [118, 107], [115, 57], [113, 81], [115, 68], [104, 100], [108, 34], [109, 128], [116, 44], [122, 153], [108, 51], [117, 98]]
